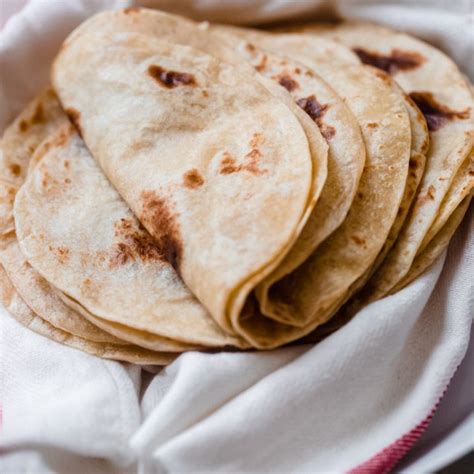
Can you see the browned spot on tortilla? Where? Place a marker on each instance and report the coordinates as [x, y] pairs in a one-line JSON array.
[[251, 164], [67, 181], [358, 240], [170, 79], [297, 70], [158, 218], [15, 170], [372, 125], [429, 196], [38, 115], [134, 243], [129, 10], [327, 131], [471, 173], [250, 47], [316, 111], [9, 234], [62, 253], [360, 195], [192, 179], [384, 76], [436, 115], [205, 93], [287, 82], [23, 126], [61, 138], [312, 107], [397, 60], [263, 62], [66, 164], [257, 140], [75, 117], [309, 73], [42, 150], [413, 164]]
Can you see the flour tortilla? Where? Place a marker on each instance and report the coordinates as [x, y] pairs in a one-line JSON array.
[[21, 138], [35, 291], [462, 186], [345, 160], [440, 90], [77, 233], [179, 30], [19, 142], [230, 257], [322, 283], [419, 149], [436, 246], [21, 312]]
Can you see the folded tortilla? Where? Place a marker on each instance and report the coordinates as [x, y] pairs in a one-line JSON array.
[[442, 93]]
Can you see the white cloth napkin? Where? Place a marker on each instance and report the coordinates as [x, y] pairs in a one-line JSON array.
[[357, 400]]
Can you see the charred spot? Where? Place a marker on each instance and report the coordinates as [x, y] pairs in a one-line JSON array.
[[470, 173], [62, 253], [229, 164], [436, 115], [263, 63], [23, 126], [358, 240], [38, 115], [129, 10], [163, 226], [135, 243], [372, 125], [42, 150], [192, 179], [413, 164], [170, 79], [15, 170], [75, 117], [60, 139], [312, 107], [250, 47], [316, 111], [287, 82], [429, 196], [397, 60], [327, 131]]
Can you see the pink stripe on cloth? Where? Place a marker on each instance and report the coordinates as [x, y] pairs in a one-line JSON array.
[[385, 460]]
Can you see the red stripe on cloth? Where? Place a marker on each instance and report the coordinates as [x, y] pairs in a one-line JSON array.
[[385, 460]]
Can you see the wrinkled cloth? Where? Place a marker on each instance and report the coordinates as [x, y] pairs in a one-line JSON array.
[[328, 407]]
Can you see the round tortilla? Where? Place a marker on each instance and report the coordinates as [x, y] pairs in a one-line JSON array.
[[78, 233], [21, 312], [329, 273], [439, 89]]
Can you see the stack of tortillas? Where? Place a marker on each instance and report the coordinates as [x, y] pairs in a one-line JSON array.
[[187, 186]]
